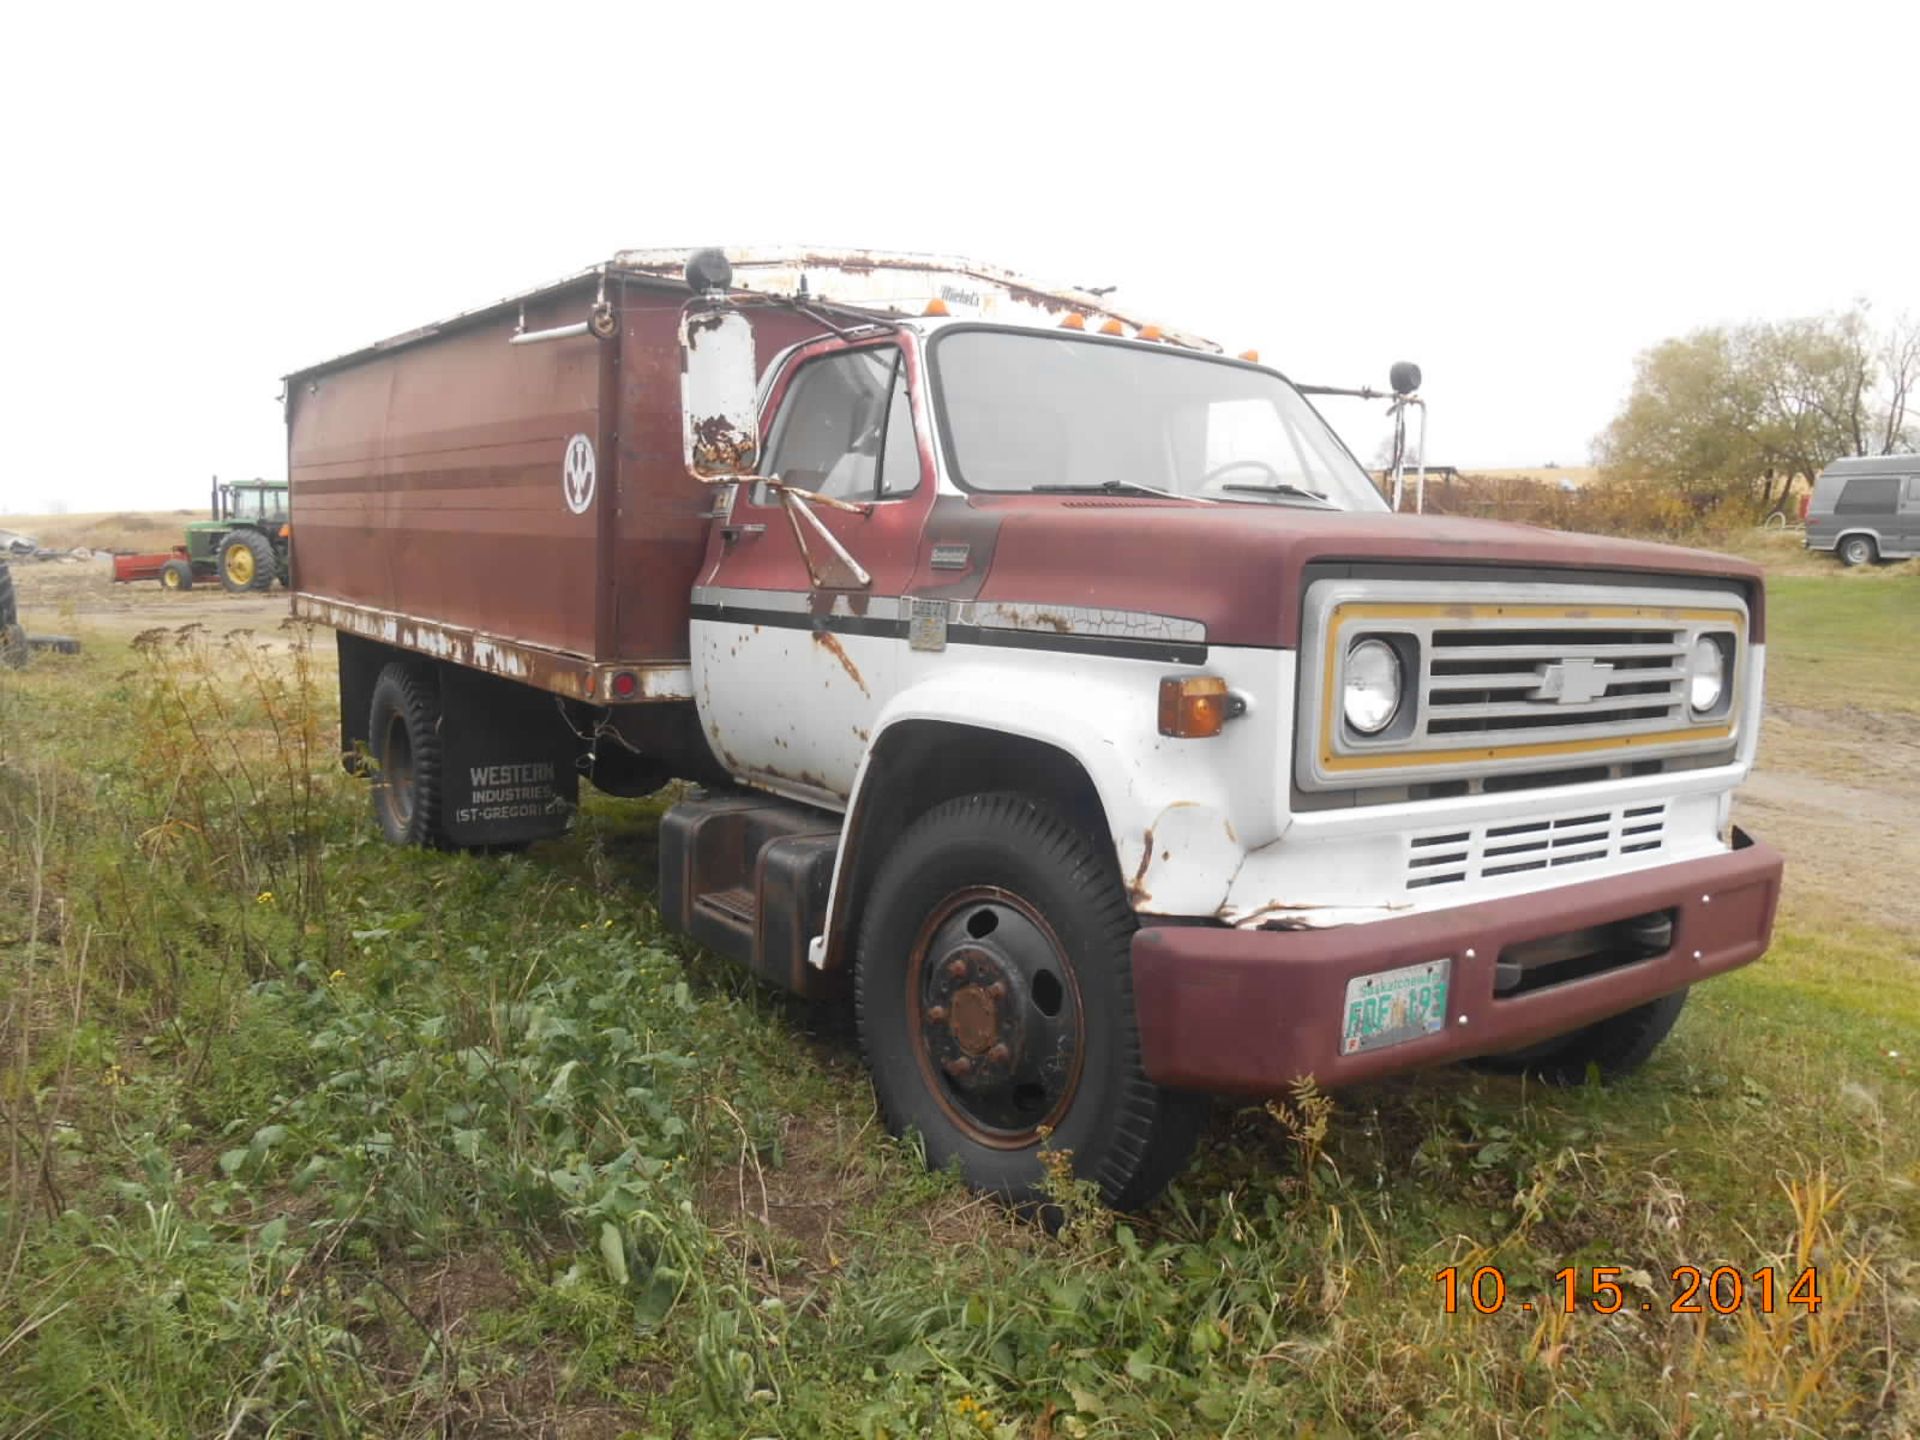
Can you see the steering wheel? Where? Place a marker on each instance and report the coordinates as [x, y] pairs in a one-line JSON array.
[[1207, 480]]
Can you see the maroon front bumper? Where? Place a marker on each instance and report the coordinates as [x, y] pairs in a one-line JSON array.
[[1249, 1011]]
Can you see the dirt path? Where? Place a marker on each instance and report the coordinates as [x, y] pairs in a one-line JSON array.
[[1839, 793], [79, 598]]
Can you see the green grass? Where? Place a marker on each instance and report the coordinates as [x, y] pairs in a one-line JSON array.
[[306, 1136], [1850, 640]]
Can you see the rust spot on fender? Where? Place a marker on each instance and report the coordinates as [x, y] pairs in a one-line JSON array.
[[1137, 890], [832, 643]]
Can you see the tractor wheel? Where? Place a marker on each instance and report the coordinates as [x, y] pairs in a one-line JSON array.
[[13, 638], [246, 561], [993, 990], [403, 742], [176, 575]]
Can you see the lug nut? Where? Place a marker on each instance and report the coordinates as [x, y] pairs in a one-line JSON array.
[[937, 1015], [956, 969], [999, 1055], [998, 990], [959, 1067]]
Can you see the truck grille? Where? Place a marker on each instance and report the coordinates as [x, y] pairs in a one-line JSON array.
[[1457, 855], [1508, 685], [1507, 678]]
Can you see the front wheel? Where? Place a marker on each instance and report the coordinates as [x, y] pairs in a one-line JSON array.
[[994, 993]]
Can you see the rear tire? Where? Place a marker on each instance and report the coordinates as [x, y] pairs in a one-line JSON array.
[[993, 991], [247, 562], [176, 575], [1616, 1046], [403, 743], [1858, 550]]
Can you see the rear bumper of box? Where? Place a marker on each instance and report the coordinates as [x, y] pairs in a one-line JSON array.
[[1250, 1011]]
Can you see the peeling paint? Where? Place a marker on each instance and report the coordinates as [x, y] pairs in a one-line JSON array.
[[827, 639]]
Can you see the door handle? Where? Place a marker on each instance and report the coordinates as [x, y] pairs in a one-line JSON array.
[[731, 533]]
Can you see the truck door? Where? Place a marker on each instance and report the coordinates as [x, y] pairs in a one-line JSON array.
[[793, 658]]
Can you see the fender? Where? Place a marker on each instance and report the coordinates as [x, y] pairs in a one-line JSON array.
[[1180, 814]]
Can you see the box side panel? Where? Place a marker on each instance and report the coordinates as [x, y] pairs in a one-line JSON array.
[[662, 524], [430, 482]]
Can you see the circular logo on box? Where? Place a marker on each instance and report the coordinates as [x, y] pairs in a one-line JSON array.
[[576, 474]]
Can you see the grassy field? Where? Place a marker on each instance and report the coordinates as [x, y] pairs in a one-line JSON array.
[[305, 1136]]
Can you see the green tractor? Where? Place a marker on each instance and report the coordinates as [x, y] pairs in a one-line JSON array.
[[245, 543]]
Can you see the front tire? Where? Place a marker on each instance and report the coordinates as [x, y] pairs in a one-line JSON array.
[[403, 740], [176, 575], [993, 990], [1857, 550]]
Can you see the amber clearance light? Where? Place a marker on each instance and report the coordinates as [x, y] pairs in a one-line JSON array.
[[1192, 707]]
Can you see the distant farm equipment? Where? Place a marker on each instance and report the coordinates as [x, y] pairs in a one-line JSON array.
[[244, 545]]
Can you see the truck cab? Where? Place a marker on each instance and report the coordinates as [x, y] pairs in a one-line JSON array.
[[1064, 693]]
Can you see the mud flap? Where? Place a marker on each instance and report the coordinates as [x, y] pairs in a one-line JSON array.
[[511, 761]]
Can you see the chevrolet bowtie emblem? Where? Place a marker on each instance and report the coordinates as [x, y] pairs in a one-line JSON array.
[[1574, 682]]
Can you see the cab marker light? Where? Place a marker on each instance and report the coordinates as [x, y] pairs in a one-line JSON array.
[[936, 307], [1253, 355], [1194, 707], [1074, 320], [1113, 327], [1149, 332]]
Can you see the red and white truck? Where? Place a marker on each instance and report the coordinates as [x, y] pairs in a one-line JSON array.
[[1054, 685]]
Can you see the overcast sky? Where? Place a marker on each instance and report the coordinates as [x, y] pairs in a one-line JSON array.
[[1520, 199]]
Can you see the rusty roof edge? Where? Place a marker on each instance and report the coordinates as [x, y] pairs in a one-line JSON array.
[[661, 262]]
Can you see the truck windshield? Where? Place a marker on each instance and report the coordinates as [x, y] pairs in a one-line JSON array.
[[1025, 412]]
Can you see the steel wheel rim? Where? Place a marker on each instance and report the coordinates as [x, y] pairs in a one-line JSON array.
[[170, 579], [396, 772], [1002, 1065], [240, 564]]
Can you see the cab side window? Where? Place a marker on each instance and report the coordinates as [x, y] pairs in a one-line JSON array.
[[846, 428]]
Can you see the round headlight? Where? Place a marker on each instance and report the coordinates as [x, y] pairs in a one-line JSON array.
[[1706, 673], [1372, 691]]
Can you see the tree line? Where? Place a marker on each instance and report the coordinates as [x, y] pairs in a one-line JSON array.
[[1735, 410]]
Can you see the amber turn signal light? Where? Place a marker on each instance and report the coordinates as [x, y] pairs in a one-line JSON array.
[[1192, 707]]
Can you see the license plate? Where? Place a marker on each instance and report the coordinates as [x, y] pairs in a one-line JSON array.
[[1395, 1006]]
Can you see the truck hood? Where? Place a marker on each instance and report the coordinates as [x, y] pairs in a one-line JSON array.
[[1238, 569]]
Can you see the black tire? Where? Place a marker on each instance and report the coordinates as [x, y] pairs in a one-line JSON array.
[[403, 742], [1015, 895], [1616, 1046], [1858, 550], [250, 554], [13, 637], [176, 575]]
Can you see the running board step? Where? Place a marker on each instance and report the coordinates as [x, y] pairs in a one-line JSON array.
[[747, 876]]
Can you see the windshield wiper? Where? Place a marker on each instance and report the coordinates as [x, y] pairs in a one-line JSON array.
[[1118, 487], [1282, 489]]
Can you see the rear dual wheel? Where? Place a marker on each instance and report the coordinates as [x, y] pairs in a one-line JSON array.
[[994, 995], [403, 741]]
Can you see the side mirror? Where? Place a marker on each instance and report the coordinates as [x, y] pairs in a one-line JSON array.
[[1404, 377], [719, 393]]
